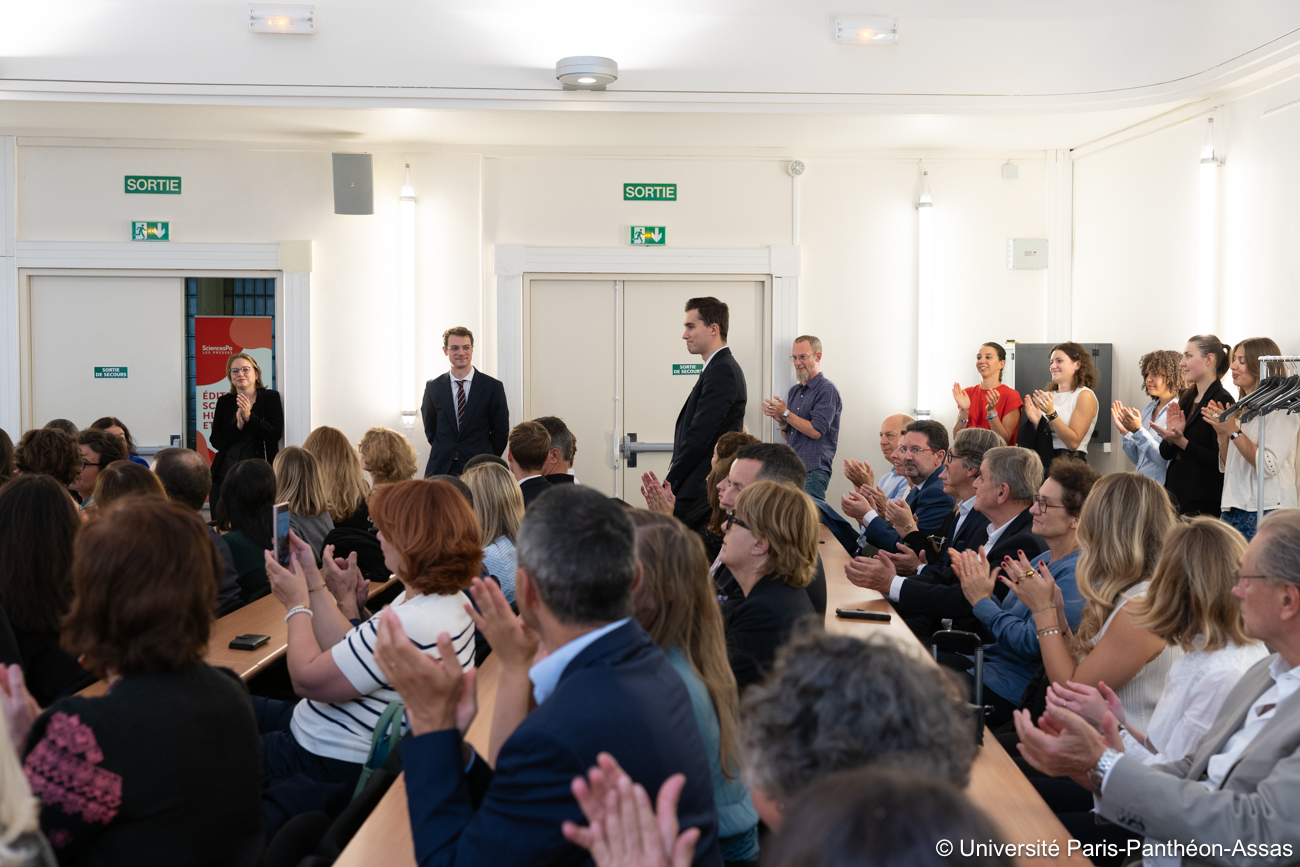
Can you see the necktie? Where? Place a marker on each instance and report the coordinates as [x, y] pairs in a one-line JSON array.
[[460, 401]]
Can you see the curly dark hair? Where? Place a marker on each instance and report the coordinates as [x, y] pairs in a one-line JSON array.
[[1166, 363], [1076, 478], [834, 702], [51, 452]]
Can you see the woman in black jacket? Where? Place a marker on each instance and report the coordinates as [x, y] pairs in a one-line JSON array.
[[247, 422], [1190, 443]]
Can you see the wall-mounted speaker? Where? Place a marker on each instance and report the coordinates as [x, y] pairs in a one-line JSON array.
[[354, 184]]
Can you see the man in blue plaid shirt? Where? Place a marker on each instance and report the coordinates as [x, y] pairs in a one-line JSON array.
[[809, 417]]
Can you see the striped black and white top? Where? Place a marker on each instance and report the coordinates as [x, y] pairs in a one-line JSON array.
[[343, 730]]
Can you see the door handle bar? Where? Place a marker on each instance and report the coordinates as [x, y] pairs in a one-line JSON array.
[[629, 448]]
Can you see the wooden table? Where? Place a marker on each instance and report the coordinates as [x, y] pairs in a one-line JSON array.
[[263, 616], [996, 784]]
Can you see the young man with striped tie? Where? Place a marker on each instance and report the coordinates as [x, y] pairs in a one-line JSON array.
[[465, 412]]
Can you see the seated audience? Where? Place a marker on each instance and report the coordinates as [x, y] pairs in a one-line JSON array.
[[659, 498], [125, 479], [244, 519], [186, 478], [1239, 457], [66, 425], [163, 768], [7, 465], [485, 459], [1162, 380], [763, 462], [924, 448], [868, 817], [674, 603], [499, 506], [1190, 604], [558, 468], [299, 482], [894, 485], [964, 528], [835, 703], [341, 473], [1059, 420], [603, 687], [114, 426], [529, 443], [21, 842], [1004, 490], [1194, 477], [1122, 529], [989, 405], [50, 452], [1013, 657], [388, 456], [770, 549], [98, 449], [431, 543], [1237, 786], [38, 525]]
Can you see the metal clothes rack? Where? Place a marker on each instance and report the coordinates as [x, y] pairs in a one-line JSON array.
[[1264, 361]]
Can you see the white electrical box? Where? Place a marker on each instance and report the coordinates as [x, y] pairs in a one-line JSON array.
[[1027, 254]]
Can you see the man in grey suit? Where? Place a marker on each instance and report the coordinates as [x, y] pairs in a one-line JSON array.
[[1236, 798]]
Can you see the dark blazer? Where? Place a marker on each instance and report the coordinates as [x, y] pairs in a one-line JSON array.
[[228, 591], [974, 530], [936, 593], [534, 488], [260, 437], [757, 627], [559, 479], [1194, 478], [620, 695], [929, 505], [730, 595], [484, 431], [716, 405]]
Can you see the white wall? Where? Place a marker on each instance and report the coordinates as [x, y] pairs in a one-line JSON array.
[[858, 225], [1136, 239]]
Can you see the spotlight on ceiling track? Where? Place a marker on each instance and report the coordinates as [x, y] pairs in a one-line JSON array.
[[586, 73], [866, 31], [282, 19]]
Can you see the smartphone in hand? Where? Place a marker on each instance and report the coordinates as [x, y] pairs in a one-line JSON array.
[[280, 523]]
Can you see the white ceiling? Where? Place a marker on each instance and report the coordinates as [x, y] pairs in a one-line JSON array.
[[997, 75]]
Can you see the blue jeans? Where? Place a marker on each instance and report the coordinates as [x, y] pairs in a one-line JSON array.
[[814, 484], [1241, 519]]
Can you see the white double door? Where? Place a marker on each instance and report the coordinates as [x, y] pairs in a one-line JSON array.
[[109, 346], [607, 356]]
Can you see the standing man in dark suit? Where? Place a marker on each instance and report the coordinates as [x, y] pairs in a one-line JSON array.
[[604, 686], [465, 412], [715, 406], [530, 443]]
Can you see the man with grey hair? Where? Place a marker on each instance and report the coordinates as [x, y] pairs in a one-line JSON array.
[[835, 703], [809, 417], [186, 478], [1235, 799], [604, 686], [1008, 481], [558, 468]]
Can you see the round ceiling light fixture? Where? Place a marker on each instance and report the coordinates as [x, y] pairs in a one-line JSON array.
[[586, 73]]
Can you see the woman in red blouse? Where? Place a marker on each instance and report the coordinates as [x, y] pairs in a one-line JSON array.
[[990, 404]]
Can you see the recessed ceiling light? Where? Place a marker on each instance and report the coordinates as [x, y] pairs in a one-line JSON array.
[[282, 19], [866, 31], [586, 73]]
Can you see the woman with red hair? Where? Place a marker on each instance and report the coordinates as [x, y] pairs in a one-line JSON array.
[[432, 544]]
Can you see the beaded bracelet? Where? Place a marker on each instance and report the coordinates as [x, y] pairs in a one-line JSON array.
[[298, 609], [1048, 631]]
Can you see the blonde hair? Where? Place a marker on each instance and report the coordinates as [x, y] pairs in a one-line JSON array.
[[390, 457], [1122, 531], [785, 518], [19, 811], [498, 501], [1191, 588], [345, 483], [298, 482], [675, 603]]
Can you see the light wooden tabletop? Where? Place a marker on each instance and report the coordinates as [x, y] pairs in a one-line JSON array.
[[996, 785]]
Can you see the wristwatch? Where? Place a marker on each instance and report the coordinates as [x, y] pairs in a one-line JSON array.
[[991, 416], [1097, 774], [785, 414], [1051, 416], [1234, 435]]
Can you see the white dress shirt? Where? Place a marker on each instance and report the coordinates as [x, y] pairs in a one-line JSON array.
[[896, 586], [469, 381], [545, 675]]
